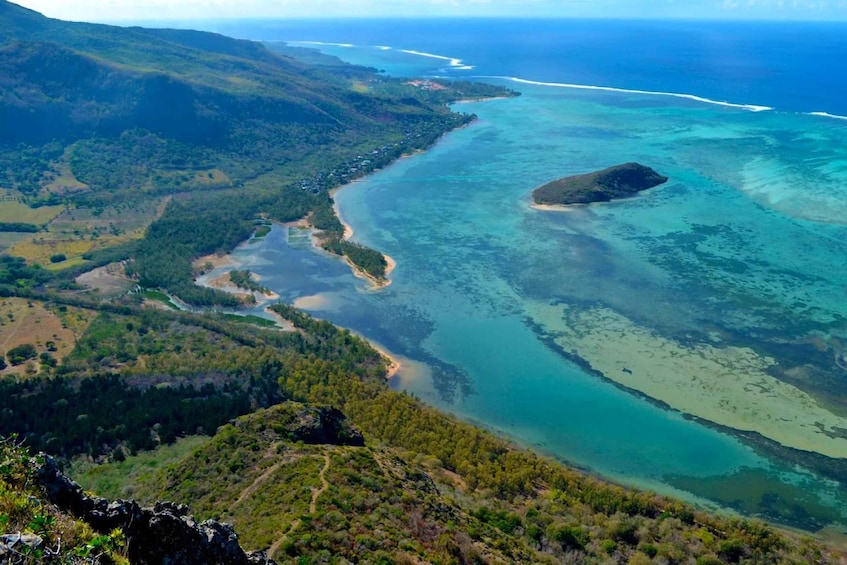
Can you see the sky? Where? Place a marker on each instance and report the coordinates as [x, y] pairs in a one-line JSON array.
[[160, 10]]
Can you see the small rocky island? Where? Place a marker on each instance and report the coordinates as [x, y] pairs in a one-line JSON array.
[[619, 181]]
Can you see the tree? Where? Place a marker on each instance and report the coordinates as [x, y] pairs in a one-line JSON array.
[[22, 353]]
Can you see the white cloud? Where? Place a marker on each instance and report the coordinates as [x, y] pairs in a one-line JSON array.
[[102, 10], [128, 10]]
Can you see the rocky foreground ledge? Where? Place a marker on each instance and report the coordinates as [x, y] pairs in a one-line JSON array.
[[165, 533]]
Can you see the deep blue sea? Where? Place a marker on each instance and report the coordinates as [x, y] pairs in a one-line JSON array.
[[691, 340]]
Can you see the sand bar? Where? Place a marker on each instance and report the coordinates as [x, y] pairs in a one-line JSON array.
[[312, 302], [556, 207], [224, 282], [725, 385]]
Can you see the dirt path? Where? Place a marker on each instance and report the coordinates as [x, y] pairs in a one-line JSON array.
[[18, 323], [254, 486], [313, 504], [381, 463], [324, 485], [278, 543]]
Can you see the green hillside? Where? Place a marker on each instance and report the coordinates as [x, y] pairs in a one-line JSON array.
[[297, 479], [119, 119], [155, 147]]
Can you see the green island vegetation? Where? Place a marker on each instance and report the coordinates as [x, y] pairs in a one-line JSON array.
[[293, 436], [262, 232], [368, 260], [619, 181], [244, 279]]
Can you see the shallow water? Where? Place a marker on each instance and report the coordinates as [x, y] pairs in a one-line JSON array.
[[744, 247]]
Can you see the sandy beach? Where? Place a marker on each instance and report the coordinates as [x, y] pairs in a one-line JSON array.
[[214, 261], [281, 322], [348, 230], [393, 364], [726, 385], [223, 281]]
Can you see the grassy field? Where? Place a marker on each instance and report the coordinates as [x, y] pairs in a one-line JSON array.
[[214, 178], [77, 231], [120, 479], [14, 211], [8, 239], [67, 263], [61, 180], [249, 319], [39, 248], [156, 296], [54, 331]]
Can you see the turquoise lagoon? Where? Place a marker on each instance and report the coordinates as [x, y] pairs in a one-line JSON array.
[[743, 248]]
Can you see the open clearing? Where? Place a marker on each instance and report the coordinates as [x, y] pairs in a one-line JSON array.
[[75, 232], [107, 281], [14, 211], [23, 321]]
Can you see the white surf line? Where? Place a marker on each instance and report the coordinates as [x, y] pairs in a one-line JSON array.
[[827, 115], [328, 43], [455, 63], [748, 107]]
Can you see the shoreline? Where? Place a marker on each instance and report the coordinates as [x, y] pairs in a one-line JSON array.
[[487, 99], [223, 282], [281, 322], [393, 366], [390, 264]]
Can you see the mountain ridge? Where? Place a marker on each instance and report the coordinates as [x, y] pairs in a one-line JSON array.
[[127, 381]]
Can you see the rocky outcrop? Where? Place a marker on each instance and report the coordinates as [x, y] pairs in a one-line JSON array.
[[322, 425], [165, 533], [293, 422], [619, 181]]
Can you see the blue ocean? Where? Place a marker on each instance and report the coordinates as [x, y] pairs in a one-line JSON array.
[[691, 340]]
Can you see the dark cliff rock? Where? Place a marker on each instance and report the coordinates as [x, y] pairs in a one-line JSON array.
[[165, 533], [293, 422], [619, 181], [321, 425]]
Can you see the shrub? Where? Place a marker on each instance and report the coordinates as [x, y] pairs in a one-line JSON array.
[[21, 353], [609, 546], [731, 550], [570, 537]]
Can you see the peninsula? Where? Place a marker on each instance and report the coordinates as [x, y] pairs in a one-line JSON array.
[[619, 181]]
